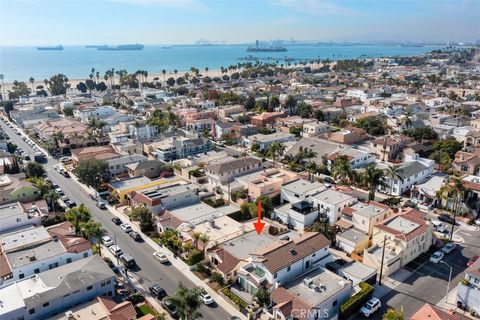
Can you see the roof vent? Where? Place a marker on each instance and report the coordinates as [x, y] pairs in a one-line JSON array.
[[293, 252]]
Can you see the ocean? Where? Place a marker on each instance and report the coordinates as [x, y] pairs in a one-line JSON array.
[[21, 63]]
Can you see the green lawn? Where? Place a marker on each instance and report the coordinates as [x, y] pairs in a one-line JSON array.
[[145, 309]]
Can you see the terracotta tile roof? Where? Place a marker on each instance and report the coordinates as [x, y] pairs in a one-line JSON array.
[[64, 228], [348, 211], [167, 219], [125, 309], [430, 312], [283, 253], [287, 302], [404, 236], [70, 241], [344, 224], [229, 262]]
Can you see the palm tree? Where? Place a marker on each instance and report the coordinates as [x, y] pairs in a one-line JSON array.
[[206, 71], [164, 72], [311, 168], [196, 236], [373, 178], [276, 149], [2, 77], [394, 172], [57, 138], [187, 302], [205, 239], [52, 198], [77, 215], [32, 81], [93, 231], [342, 169], [392, 314], [455, 189], [75, 137]]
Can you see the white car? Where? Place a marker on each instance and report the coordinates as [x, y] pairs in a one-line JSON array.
[[65, 159], [115, 250], [126, 227], [436, 257], [107, 241], [370, 307], [206, 298], [449, 247], [160, 257]]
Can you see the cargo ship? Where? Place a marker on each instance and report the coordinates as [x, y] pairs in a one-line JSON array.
[[122, 47], [57, 48], [266, 48]]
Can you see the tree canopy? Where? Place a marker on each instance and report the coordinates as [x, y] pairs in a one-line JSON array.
[[93, 172]]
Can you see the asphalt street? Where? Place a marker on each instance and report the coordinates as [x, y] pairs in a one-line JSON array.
[[149, 270]]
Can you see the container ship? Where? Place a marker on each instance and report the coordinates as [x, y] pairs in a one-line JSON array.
[[122, 47], [266, 48], [57, 48]]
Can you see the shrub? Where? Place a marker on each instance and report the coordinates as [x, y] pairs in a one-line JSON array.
[[234, 298], [194, 257], [465, 282], [217, 277], [136, 298], [356, 301]]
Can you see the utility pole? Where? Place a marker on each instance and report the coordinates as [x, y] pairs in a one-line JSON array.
[[455, 207], [115, 240], [449, 279], [381, 265]]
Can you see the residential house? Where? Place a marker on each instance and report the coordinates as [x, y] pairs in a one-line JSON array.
[[97, 152], [148, 168], [283, 261], [358, 158], [317, 295], [225, 112], [320, 148], [364, 216], [468, 291], [269, 182], [122, 188], [200, 126], [348, 135], [297, 215], [30, 250], [68, 127], [314, 129], [387, 148], [30, 115], [266, 140], [51, 292], [431, 312], [223, 172], [118, 165], [352, 241], [167, 196], [15, 187], [300, 189], [179, 147], [93, 112], [102, 308], [330, 203], [14, 216], [407, 236], [142, 131], [266, 118], [425, 193], [467, 162]]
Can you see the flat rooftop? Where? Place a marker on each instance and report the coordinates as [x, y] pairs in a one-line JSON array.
[[317, 286], [43, 251], [359, 270], [163, 191], [223, 229], [303, 186], [333, 197], [353, 235], [402, 225], [367, 210], [24, 237], [201, 212], [10, 210]]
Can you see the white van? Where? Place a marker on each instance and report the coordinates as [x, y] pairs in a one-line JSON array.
[[439, 226]]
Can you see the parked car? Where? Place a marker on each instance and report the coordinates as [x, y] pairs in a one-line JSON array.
[[126, 227], [66, 174], [371, 307], [471, 261], [160, 257], [449, 247], [135, 235], [128, 261], [115, 250], [170, 308], [157, 291], [117, 220], [107, 241], [101, 205], [65, 159], [206, 298], [70, 203], [446, 218], [436, 257]]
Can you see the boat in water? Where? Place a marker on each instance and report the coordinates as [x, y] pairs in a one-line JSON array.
[[266, 48], [56, 48], [122, 47]]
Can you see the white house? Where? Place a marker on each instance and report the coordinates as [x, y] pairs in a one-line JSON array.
[[266, 140], [331, 202], [96, 112], [300, 190], [31, 250], [298, 215], [284, 260], [223, 172], [469, 293], [51, 292], [13, 216], [313, 129]]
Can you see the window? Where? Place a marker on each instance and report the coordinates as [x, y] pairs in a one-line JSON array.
[[102, 284], [289, 268], [334, 303], [46, 304], [275, 276], [36, 270], [31, 311], [85, 254], [109, 281], [21, 276], [89, 287], [69, 260]]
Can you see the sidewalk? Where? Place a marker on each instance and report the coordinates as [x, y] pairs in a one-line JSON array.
[[391, 282], [133, 281], [177, 263], [451, 304]]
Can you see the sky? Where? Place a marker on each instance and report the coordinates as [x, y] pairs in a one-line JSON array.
[[75, 22]]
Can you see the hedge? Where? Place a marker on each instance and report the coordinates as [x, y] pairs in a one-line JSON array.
[[235, 299], [194, 257], [357, 300]]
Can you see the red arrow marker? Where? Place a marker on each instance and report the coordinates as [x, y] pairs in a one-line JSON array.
[[259, 224]]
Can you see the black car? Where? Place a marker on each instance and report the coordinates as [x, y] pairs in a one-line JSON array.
[[446, 218], [70, 203], [157, 291], [167, 305], [117, 220], [135, 235], [128, 261]]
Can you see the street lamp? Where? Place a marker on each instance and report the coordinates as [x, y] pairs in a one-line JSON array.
[[449, 278]]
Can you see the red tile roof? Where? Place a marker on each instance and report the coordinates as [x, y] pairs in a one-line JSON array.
[[430, 312], [287, 303], [229, 262]]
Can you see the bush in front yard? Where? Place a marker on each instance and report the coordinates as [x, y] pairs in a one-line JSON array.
[[234, 298], [194, 257], [357, 300]]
